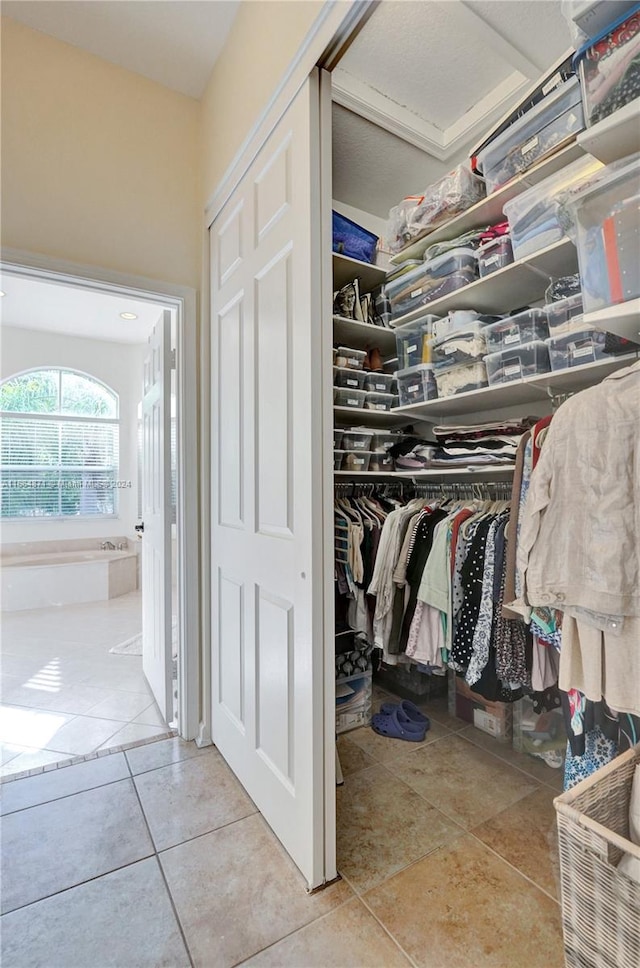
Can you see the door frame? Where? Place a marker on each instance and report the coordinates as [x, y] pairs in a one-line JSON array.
[[334, 29], [194, 715]]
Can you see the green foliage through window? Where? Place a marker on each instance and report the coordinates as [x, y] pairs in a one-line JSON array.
[[59, 454]]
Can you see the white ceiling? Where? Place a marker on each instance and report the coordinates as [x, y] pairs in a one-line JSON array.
[[434, 76], [52, 308], [174, 42]]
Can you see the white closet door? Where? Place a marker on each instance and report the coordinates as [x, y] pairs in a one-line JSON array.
[[267, 561]]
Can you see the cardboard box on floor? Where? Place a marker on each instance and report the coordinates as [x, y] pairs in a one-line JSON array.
[[494, 718]]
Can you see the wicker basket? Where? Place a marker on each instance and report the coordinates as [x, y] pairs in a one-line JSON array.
[[600, 904]]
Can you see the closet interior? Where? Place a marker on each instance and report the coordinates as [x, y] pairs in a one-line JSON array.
[[469, 306]]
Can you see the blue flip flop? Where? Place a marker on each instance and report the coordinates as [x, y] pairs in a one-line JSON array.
[[390, 725], [407, 710]]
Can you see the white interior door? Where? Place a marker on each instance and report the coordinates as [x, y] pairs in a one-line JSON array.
[[267, 433], [156, 516]]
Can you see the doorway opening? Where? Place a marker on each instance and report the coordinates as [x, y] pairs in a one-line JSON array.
[[91, 594]]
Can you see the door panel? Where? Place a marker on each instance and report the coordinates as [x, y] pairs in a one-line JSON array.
[[156, 514], [267, 532]]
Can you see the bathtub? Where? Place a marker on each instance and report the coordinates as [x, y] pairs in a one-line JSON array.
[[66, 577]]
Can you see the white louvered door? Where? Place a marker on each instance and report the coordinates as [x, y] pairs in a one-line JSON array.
[[267, 565]]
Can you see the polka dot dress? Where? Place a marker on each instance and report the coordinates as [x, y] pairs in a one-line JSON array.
[[472, 575]]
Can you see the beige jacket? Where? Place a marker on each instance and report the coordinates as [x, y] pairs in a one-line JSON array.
[[580, 539]]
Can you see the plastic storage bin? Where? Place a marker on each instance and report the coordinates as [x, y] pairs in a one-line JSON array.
[[533, 216], [416, 384], [350, 358], [541, 735], [344, 397], [494, 255], [379, 401], [517, 362], [592, 17], [356, 460], [564, 315], [608, 67], [346, 377], [461, 379], [607, 215], [353, 702], [357, 439], [455, 192], [515, 330], [600, 902], [460, 346], [447, 272], [382, 463], [337, 459], [353, 240], [378, 382], [576, 347], [537, 133], [413, 341], [337, 439], [381, 443], [456, 319]]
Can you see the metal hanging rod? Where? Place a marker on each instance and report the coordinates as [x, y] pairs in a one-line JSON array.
[[476, 490]]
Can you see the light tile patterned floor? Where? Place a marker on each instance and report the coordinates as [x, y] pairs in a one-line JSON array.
[[156, 857], [62, 693]]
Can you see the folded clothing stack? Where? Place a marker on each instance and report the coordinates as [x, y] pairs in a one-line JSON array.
[[479, 444], [455, 192], [412, 454]]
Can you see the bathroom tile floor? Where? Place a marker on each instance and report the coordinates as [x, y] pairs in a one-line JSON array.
[[170, 864], [62, 693]]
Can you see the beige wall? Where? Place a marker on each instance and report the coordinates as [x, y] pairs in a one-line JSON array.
[[265, 37], [99, 165]]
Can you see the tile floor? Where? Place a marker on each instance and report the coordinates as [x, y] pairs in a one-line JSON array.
[[62, 693], [157, 857]]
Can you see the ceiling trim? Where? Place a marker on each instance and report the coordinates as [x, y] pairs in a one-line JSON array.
[[356, 96], [487, 108], [492, 38]]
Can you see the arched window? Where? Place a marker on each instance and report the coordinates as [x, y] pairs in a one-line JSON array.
[[59, 445]]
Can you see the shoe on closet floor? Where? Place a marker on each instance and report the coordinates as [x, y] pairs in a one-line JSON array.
[[406, 710], [395, 728]]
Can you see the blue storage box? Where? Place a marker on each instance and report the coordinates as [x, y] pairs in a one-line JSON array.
[[352, 240]]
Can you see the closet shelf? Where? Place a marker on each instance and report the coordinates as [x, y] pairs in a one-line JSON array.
[[614, 137], [363, 336], [346, 270], [518, 284], [528, 390], [623, 319], [350, 416], [435, 474], [489, 210]]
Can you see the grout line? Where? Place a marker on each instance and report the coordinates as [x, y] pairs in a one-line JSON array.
[[514, 868], [206, 833], [71, 887], [162, 874], [503, 759], [289, 934], [386, 930], [65, 796], [175, 910]]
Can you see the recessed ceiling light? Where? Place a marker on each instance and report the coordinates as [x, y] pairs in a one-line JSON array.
[[128, 316], [2, 293]]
